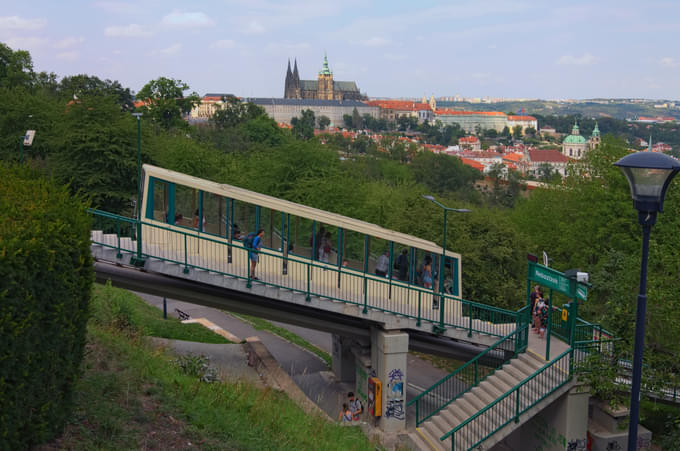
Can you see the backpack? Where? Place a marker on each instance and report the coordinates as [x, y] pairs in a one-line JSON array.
[[249, 240]]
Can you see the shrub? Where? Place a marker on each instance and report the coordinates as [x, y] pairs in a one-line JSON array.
[[45, 283]]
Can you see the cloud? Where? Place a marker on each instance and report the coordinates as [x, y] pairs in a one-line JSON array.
[[188, 19], [584, 60], [68, 42], [668, 61], [26, 43], [375, 41], [127, 31], [17, 23], [223, 44], [172, 50], [254, 27], [67, 56]]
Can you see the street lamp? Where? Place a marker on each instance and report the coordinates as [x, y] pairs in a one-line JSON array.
[[649, 175], [443, 257], [139, 260]]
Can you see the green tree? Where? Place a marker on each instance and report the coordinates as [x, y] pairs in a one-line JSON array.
[[80, 86], [303, 127], [324, 121], [357, 121], [530, 131], [490, 133], [165, 102], [234, 112], [441, 173], [16, 68], [506, 132], [347, 119], [517, 132]]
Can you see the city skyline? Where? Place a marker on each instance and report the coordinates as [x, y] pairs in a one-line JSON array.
[[511, 49]]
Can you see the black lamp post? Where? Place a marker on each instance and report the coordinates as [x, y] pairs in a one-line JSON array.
[[649, 175], [138, 260]]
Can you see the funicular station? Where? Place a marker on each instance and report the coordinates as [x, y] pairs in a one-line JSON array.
[[193, 230]]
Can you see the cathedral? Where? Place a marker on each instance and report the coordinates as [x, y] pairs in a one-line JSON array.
[[323, 88]]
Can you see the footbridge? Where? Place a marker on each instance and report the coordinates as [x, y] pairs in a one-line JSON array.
[[361, 282]]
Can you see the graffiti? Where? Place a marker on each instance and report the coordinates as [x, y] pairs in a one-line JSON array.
[[397, 389], [547, 436], [577, 445], [613, 446], [362, 381], [396, 375], [395, 409]]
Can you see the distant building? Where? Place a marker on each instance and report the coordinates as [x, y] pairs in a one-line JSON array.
[[575, 146], [541, 157], [391, 110], [470, 143], [323, 88], [470, 121], [523, 121], [208, 105], [283, 110]]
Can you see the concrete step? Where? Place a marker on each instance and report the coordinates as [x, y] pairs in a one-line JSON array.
[[420, 442]]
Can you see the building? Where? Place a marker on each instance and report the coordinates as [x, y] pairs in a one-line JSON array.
[[538, 158], [283, 110], [208, 105], [471, 121], [323, 88], [575, 146], [391, 110], [523, 121], [470, 143]]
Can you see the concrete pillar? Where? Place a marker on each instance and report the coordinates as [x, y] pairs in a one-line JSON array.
[[343, 359], [389, 350]]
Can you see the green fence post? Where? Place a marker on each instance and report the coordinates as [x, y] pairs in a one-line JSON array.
[[549, 326], [186, 264], [118, 255], [309, 280], [469, 319], [517, 404], [419, 311], [365, 294]]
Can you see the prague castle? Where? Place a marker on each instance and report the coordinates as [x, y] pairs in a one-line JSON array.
[[323, 88]]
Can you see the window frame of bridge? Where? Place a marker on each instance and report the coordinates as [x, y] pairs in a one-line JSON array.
[[341, 227]]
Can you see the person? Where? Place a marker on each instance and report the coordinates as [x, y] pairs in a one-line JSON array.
[[355, 406], [315, 241], [236, 232], [345, 414], [252, 253], [534, 297], [402, 265], [541, 316], [196, 220], [325, 248], [382, 265], [427, 273]]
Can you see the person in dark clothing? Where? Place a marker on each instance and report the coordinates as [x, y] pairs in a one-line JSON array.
[[535, 295], [402, 265]]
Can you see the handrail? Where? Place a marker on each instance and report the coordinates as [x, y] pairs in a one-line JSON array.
[[517, 409], [476, 379], [188, 242]]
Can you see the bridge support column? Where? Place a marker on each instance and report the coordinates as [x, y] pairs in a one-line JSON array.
[[389, 351], [344, 365]]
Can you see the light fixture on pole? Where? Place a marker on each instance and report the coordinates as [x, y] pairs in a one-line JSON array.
[[443, 257], [649, 175]]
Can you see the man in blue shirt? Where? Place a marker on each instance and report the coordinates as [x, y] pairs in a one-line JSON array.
[[252, 253]]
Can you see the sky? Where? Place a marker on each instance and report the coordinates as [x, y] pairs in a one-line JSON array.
[[493, 48]]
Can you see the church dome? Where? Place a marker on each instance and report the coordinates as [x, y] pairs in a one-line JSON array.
[[575, 137]]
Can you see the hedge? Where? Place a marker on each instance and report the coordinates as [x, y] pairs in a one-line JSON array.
[[46, 276]]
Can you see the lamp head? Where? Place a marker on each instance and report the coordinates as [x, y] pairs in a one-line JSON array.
[[648, 174]]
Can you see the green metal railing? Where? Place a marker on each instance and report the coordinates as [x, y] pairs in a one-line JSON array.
[[506, 409], [468, 376], [192, 250]]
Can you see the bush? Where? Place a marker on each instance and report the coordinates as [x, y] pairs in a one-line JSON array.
[[45, 283]]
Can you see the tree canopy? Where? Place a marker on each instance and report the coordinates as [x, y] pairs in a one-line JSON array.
[[165, 102]]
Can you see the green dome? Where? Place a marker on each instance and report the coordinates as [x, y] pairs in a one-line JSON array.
[[574, 139]]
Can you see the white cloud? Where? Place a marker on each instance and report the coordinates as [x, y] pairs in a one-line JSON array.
[[375, 41], [67, 56], [26, 43], [570, 60], [254, 27], [68, 42], [172, 50], [127, 31], [17, 23], [223, 44], [188, 19], [668, 61]]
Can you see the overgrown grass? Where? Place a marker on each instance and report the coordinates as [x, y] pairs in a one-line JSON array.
[[261, 324], [126, 311], [133, 396]]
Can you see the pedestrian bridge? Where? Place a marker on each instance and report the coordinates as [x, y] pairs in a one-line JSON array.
[[192, 229]]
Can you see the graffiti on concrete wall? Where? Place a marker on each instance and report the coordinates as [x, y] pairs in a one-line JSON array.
[[395, 409], [394, 395], [362, 382], [547, 436], [577, 445]]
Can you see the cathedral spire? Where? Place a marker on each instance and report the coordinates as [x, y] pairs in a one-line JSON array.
[[325, 70], [296, 75]]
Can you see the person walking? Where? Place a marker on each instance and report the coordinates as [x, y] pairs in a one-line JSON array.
[[427, 273], [253, 252], [402, 265], [382, 265]]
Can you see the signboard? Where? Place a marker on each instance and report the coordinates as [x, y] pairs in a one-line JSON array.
[[557, 281], [28, 137]]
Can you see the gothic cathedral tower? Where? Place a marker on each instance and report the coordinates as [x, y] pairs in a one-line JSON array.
[[325, 82], [292, 86]]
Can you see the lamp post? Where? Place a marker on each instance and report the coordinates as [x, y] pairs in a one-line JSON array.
[[649, 175], [443, 257], [139, 260]]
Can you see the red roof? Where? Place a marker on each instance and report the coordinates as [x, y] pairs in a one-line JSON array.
[[468, 140], [521, 118], [403, 105], [513, 157], [472, 163], [462, 113], [547, 156]]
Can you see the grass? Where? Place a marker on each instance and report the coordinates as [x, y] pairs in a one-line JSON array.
[[261, 324], [111, 305], [134, 396]]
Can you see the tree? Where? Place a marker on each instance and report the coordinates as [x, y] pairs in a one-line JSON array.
[[303, 127], [347, 119], [357, 121], [324, 121], [83, 85], [441, 173], [233, 112], [16, 68], [530, 131], [490, 133], [517, 132], [545, 172], [165, 102], [506, 132]]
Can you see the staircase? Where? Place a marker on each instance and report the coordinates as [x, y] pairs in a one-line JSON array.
[[485, 413]]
